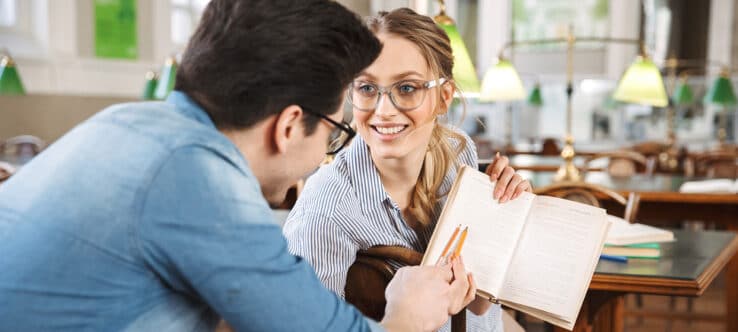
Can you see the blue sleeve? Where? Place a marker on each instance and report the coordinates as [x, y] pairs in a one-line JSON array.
[[207, 232]]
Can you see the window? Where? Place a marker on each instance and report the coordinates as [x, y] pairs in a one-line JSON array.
[[8, 14], [185, 15]]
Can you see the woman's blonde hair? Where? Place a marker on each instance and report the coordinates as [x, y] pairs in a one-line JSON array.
[[442, 154]]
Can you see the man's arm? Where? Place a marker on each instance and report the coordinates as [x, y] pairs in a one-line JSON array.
[[206, 232]]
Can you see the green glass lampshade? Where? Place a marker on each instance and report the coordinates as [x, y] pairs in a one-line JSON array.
[[721, 92], [642, 84], [683, 95], [502, 83], [165, 85], [464, 73], [150, 86], [10, 81], [534, 98]]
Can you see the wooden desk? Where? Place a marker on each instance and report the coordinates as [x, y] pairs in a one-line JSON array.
[[538, 163], [662, 204], [686, 268], [661, 201]]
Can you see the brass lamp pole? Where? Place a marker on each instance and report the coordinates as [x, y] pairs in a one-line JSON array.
[[633, 87]]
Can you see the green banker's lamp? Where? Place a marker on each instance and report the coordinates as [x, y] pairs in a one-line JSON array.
[[683, 94], [165, 85], [534, 98], [10, 82], [642, 84], [464, 73], [721, 93], [502, 83], [150, 86]]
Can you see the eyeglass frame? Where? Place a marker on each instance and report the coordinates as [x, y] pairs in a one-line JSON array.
[[343, 126], [383, 90]]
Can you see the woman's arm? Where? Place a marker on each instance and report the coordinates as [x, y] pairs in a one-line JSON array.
[[324, 245]]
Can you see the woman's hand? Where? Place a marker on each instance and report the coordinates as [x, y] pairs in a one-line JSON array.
[[509, 184]]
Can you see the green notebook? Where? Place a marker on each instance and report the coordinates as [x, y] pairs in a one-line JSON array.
[[639, 250]]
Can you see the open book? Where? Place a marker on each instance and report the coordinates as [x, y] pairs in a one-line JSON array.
[[535, 254], [716, 186]]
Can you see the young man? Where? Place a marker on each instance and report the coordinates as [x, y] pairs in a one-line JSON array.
[[155, 216]]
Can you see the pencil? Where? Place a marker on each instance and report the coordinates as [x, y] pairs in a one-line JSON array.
[[457, 252], [448, 244], [614, 258]]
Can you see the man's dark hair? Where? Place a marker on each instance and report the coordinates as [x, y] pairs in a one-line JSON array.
[[249, 59]]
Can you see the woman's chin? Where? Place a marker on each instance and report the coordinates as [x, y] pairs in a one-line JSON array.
[[385, 152]]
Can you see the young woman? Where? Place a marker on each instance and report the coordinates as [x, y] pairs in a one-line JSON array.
[[388, 187]]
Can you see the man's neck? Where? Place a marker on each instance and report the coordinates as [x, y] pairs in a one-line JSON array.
[[256, 155]]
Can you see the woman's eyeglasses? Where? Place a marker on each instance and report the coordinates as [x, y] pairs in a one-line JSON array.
[[405, 95]]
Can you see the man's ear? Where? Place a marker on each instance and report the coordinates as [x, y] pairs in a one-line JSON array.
[[287, 128], [447, 96]]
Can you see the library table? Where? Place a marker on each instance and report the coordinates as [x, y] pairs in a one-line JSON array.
[[686, 268]]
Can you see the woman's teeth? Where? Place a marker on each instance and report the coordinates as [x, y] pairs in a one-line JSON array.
[[390, 130]]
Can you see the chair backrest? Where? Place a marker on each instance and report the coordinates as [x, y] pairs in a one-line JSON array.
[[23, 145], [6, 170], [371, 273], [593, 194], [550, 147], [624, 162], [714, 164]]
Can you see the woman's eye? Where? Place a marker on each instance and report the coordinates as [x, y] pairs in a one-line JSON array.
[[407, 88], [367, 89]]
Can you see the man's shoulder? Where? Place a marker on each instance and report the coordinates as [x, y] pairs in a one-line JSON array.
[[161, 124]]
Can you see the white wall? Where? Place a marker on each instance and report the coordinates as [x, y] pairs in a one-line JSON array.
[[57, 57]]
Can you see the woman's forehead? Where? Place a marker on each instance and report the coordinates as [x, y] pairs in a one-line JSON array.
[[399, 57]]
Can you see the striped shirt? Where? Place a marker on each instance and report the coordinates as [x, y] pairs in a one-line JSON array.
[[344, 208]]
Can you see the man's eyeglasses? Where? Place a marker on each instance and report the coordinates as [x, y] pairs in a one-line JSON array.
[[341, 134], [406, 95]]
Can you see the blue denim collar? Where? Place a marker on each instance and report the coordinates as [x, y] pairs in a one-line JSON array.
[[185, 105]]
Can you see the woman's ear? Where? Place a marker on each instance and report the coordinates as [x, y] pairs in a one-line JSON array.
[[447, 95]]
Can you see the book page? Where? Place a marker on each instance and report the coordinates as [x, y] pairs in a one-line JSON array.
[[493, 233], [556, 256]]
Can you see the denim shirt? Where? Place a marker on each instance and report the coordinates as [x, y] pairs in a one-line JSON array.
[[146, 218]]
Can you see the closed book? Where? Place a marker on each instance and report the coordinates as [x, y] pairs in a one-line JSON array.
[[641, 250], [623, 233]]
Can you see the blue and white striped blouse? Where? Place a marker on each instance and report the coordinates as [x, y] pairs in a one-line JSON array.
[[344, 208]]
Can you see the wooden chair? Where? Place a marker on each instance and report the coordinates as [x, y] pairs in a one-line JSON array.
[[593, 194], [624, 163], [6, 170], [23, 145], [667, 158], [371, 273], [550, 147], [713, 164]]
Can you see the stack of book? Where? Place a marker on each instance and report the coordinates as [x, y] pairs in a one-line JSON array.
[[634, 240]]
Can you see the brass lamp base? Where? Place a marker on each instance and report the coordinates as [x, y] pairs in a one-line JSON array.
[[567, 171]]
